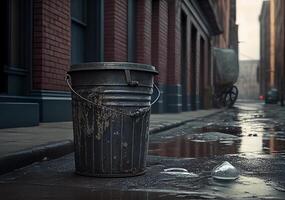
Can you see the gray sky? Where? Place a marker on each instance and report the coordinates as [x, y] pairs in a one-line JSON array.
[[247, 18]]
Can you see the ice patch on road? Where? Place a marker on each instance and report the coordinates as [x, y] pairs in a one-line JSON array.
[[180, 172]]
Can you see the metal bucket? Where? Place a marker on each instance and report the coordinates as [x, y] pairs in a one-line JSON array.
[[111, 109]]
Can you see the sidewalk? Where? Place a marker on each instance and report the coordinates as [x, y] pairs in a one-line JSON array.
[[22, 146]]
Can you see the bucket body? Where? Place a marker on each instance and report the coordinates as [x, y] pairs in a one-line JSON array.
[[109, 140]]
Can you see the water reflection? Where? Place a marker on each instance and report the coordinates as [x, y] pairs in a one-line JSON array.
[[251, 125], [273, 145], [246, 188], [182, 146], [259, 134]]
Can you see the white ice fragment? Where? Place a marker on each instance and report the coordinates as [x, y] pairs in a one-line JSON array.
[[175, 170], [225, 171], [179, 172]]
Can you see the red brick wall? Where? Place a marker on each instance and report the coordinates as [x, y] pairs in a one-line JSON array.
[[115, 28], [222, 40], [173, 66], [51, 44], [280, 44], [143, 31], [159, 38]]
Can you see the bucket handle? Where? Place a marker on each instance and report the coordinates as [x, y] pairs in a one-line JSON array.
[[131, 114]]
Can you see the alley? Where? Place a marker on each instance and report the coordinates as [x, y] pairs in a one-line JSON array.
[[148, 99], [250, 136]]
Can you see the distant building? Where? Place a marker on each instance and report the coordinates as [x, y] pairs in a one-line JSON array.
[[42, 38], [227, 15], [279, 56], [272, 50], [247, 82], [264, 65]]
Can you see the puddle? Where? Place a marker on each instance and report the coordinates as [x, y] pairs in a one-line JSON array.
[[273, 144], [233, 130], [182, 146], [246, 187], [260, 135], [245, 132]]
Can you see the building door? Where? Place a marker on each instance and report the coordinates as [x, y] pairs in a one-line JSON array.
[[202, 73], [193, 70], [4, 46], [16, 60], [184, 70]]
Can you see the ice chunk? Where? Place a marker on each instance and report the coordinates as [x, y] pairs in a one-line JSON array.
[[225, 171]]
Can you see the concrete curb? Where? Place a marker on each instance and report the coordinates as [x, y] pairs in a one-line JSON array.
[[176, 124], [26, 157], [167, 127], [54, 150]]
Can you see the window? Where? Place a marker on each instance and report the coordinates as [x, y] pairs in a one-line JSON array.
[[87, 31], [78, 27]]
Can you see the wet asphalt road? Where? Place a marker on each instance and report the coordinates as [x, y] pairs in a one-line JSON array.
[[250, 136]]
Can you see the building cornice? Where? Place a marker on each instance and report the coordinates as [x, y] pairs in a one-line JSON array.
[[208, 12]]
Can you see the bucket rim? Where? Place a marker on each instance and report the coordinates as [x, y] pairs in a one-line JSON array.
[[89, 66]]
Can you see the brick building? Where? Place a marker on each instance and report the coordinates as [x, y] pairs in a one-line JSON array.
[[43, 37], [272, 50], [279, 53], [264, 66]]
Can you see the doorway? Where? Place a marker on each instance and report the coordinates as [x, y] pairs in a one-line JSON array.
[[16, 61], [193, 70], [184, 69], [4, 46], [202, 73]]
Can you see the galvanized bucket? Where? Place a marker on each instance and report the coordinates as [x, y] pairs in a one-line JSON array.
[[111, 108]]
